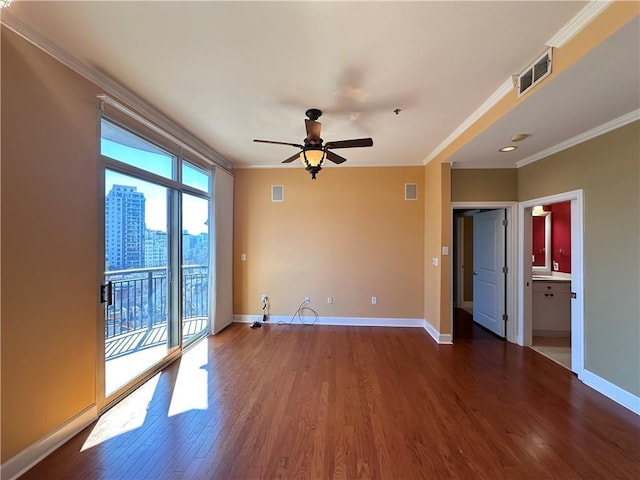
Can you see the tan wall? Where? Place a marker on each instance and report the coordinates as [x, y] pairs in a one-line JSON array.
[[49, 244], [488, 185], [607, 168], [349, 234], [445, 241], [437, 233]]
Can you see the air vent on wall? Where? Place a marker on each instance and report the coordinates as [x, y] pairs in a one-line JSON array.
[[410, 191], [277, 193], [534, 73]]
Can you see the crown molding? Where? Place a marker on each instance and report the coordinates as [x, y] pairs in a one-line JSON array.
[[589, 12], [583, 137], [586, 15], [113, 88], [495, 97]]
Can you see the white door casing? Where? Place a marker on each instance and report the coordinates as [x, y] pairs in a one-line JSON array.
[[488, 273]]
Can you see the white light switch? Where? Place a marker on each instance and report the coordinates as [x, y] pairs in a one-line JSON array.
[[445, 250], [243, 257], [434, 261]]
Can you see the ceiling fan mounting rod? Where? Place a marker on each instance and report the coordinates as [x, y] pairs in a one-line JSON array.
[[313, 114]]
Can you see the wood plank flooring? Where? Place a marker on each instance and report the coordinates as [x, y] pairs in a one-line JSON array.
[[353, 402]]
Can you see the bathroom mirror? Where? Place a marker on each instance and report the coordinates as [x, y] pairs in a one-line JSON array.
[[541, 254]]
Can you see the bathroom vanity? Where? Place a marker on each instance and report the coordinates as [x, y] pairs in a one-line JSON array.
[[551, 298]]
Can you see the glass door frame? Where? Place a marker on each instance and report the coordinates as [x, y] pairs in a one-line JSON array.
[[174, 261]]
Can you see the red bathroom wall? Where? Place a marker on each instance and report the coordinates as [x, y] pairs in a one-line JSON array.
[[561, 235]]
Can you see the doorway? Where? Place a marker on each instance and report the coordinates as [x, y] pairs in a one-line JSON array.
[[551, 281], [484, 244], [156, 279], [550, 316]]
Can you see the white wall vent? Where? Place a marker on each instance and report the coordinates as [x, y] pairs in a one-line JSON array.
[[534, 73], [410, 191], [277, 193]]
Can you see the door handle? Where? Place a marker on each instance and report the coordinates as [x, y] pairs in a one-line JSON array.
[[106, 293]]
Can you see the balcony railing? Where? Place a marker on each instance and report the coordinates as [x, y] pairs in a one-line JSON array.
[[140, 298]]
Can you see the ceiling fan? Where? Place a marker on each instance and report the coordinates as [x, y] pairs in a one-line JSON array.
[[313, 153]]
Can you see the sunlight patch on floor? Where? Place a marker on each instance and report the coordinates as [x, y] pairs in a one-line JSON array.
[[190, 391], [126, 416]]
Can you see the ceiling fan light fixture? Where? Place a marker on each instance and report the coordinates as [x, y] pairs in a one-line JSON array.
[[312, 158]]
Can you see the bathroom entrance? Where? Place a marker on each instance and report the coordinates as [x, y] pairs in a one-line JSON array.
[[551, 319]]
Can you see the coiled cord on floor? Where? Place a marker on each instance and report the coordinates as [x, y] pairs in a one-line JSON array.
[[301, 309]]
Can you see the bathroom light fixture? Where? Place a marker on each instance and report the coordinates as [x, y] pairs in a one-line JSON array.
[[5, 3], [510, 148], [538, 210]]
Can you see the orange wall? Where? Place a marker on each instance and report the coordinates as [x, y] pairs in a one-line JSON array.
[[49, 244], [437, 224], [349, 234]]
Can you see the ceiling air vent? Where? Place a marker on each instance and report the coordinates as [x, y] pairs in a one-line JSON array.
[[534, 73]]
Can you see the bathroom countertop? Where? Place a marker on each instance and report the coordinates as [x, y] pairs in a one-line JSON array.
[[552, 278]]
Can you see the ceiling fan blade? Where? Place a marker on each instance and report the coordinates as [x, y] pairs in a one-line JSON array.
[[292, 158], [313, 129], [358, 142], [335, 158], [279, 143]]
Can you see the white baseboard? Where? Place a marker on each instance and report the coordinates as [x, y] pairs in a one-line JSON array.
[[440, 338], [614, 392], [552, 333], [27, 458], [344, 321], [352, 321]]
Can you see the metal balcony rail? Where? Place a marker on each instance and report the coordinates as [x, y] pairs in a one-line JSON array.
[[140, 298]]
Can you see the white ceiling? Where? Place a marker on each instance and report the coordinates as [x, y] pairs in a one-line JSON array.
[[230, 72]]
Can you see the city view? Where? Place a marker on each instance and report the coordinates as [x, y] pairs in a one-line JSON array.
[[136, 264]]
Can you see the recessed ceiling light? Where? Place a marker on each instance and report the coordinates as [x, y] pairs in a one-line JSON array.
[[519, 137], [510, 148]]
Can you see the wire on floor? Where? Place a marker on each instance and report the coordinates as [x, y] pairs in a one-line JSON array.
[[298, 313]]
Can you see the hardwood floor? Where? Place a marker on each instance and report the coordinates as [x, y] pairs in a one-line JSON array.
[[356, 402]]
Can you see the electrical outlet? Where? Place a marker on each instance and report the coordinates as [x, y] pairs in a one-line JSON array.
[[329, 300], [263, 298], [307, 299], [374, 300]]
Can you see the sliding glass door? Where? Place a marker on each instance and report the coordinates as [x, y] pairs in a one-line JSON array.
[[137, 273], [156, 286]]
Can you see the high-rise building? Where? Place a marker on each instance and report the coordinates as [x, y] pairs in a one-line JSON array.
[[155, 248], [124, 228]]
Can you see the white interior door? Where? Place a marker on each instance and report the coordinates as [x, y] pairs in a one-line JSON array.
[[488, 274]]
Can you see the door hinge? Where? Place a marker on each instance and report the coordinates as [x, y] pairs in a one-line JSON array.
[[505, 269], [505, 317], [505, 222], [574, 295]]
